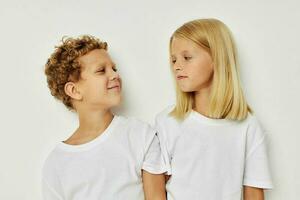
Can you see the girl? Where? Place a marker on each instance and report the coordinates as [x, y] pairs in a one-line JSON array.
[[214, 144]]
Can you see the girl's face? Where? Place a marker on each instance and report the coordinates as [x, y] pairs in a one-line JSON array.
[[192, 65], [100, 84]]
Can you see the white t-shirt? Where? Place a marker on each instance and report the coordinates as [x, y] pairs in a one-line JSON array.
[[211, 159], [108, 167]]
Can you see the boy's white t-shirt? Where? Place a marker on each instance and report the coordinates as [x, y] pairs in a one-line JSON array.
[[108, 167], [212, 159]]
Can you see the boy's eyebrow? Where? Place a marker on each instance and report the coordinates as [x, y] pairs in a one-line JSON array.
[[102, 64], [112, 64], [99, 65]]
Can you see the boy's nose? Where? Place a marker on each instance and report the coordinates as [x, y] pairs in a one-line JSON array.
[[114, 75]]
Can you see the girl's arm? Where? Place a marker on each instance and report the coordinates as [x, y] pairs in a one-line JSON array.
[[252, 193], [154, 186]]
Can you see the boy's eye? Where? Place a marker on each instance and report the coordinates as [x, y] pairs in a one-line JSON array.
[[187, 57], [173, 61], [101, 70], [115, 69]]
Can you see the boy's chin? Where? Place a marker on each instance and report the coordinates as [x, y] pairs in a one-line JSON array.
[[116, 101]]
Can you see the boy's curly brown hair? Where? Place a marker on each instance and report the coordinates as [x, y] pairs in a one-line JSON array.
[[63, 65]]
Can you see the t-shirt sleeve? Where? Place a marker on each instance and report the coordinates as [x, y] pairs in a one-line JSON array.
[[153, 160], [51, 186], [257, 171], [161, 134], [48, 192]]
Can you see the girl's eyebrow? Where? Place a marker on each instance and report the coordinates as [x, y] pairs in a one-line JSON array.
[[185, 51], [182, 52]]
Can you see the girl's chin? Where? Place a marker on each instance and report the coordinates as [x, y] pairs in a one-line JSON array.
[[185, 89]]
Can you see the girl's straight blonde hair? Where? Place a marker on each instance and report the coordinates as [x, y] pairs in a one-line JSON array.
[[227, 100]]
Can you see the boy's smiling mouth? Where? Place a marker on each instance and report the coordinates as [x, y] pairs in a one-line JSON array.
[[116, 86]]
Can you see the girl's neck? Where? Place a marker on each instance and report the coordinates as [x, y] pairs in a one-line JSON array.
[[201, 101]]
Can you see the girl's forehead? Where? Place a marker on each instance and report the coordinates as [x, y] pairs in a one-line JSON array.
[[179, 45]]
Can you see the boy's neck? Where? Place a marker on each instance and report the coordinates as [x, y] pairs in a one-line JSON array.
[[91, 125], [94, 121]]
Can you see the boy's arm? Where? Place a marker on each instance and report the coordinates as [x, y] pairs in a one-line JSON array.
[[49, 193], [252, 193], [154, 186]]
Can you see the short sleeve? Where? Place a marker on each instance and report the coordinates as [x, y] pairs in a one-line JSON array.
[[48, 192], [161, 134], [51, 185], [257, 171], [153, 159]]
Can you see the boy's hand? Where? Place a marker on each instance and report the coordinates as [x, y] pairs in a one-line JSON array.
[[252, 193], [154, 186]]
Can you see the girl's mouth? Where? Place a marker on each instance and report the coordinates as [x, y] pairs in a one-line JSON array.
[[181, 77]]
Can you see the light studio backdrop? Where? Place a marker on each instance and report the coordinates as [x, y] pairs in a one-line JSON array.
[[32, 121]]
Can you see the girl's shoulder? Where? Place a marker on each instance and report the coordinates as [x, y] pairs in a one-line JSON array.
[[165, 116], [168, 124], [254, 131], [166, 111], [251, 121]]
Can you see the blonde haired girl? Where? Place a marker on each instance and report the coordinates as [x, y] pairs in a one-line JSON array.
[[213, 142]]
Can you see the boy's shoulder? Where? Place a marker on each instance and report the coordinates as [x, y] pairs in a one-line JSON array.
[[51, 162], [132, 122], [135, 128]]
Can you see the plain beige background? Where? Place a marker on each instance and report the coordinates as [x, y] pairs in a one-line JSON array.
[[267, 35]]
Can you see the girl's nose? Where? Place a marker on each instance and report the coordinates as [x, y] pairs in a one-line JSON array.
[[177, 67]]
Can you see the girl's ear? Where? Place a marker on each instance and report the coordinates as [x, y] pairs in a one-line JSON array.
[[213, 66], [72, 91]]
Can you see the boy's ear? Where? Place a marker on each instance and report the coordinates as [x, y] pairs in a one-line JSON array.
[[72, 91]]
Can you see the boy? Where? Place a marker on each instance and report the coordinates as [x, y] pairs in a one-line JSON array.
[[108, 157]]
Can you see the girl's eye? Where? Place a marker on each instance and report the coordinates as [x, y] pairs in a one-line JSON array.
[[187, 57], [115, 69], [173, 61]]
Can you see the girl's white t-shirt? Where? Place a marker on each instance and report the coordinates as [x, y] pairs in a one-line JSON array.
[[212, 159], [108, 167]]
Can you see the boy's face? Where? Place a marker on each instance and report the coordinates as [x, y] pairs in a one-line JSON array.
[[100, 84]]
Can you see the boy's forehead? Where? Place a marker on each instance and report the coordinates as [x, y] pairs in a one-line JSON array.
[[95, 58]]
